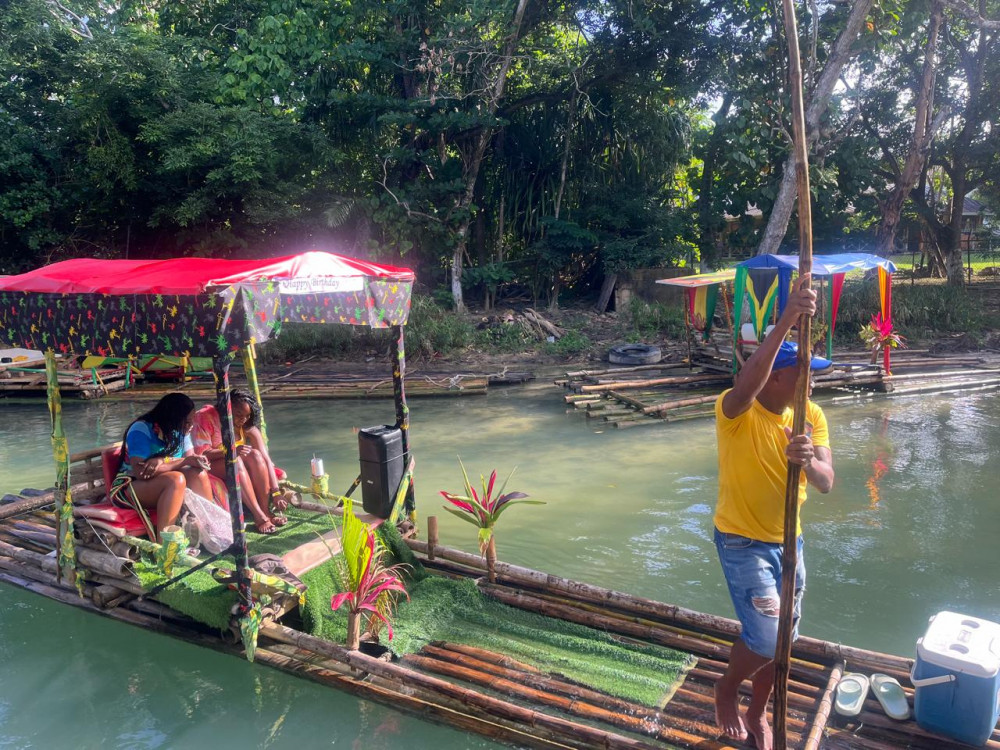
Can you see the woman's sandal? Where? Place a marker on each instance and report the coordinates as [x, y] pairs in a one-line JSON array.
[[267, 527]]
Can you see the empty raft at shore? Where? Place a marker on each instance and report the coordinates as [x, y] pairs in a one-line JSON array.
[[651, 394]]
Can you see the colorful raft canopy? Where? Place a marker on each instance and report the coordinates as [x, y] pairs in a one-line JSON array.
[[193, 306], [766, 279], [701, 296]]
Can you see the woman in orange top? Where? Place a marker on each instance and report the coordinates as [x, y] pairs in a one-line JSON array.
[[254, 467]]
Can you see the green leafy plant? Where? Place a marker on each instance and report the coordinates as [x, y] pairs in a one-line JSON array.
[[483, 511], [879, 334], [369, 586]]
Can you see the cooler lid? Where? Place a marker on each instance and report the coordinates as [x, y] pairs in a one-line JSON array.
[[961, 644]]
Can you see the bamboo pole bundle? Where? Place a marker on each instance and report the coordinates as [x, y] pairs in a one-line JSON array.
[[546, 582], [500, 666], [629, 384], [417, 702], [670, 405], [499, 708]]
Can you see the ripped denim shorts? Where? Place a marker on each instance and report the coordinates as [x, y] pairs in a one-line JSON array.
[[753, 574]]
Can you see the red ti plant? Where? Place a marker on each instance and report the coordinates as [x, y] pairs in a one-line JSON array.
[[483, 511], [880, 334], [369, 586]]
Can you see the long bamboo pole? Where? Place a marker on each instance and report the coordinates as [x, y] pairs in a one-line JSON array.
[[789, 558]]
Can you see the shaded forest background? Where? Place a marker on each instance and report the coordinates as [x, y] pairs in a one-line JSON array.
[[492, 145]]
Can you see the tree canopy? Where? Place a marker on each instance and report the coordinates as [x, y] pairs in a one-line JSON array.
[[490, 145]]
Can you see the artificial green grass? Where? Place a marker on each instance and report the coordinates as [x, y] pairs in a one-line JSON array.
[[442, 609], [202, 598], [303, 526], [198, 595]]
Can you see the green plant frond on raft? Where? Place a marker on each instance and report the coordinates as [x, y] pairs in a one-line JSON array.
[[483, 511], [367, 584]]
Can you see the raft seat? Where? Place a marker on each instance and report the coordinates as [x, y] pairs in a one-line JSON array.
[[105, 515]]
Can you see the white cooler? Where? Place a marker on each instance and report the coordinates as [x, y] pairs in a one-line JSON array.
[[957, 677]]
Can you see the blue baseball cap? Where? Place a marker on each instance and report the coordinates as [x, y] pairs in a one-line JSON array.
[[788, 356]]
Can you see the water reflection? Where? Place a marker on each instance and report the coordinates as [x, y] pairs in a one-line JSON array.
[[909, 530]]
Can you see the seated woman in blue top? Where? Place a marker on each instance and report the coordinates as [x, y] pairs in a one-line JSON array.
[[159, 463]]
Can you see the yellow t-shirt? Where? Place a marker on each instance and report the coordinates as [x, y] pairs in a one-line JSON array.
[[753, 469]]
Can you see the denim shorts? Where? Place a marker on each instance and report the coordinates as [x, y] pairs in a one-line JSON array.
[[753, 574]]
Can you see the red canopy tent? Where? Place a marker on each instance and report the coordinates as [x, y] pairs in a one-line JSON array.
[[195, 307]]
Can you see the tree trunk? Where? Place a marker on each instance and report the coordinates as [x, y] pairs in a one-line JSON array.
[[606, 289], [353, 630], [707, 216], [923, 133], [819, 99], [953, 247], [476, 161], [556, 283]]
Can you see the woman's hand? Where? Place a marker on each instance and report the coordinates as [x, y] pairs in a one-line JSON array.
[[244, 450], [145, 468], [197, 461]]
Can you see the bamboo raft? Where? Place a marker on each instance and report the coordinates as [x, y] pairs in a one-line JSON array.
[[652, 394], [29, 380], [474, 689], [327, 387]]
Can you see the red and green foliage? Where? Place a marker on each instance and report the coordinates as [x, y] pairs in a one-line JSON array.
[[369, 586]]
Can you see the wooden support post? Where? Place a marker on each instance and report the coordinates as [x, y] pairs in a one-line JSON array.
[[432, 536]]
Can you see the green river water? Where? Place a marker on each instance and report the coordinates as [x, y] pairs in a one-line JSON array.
[[910, 529]]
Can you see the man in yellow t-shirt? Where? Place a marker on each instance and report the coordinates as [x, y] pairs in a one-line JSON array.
[[753, 427]]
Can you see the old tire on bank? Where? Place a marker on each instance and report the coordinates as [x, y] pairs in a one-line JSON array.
[[634, 354]]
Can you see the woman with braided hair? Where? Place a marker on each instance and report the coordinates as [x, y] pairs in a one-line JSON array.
[[254, 467], [158, 463]]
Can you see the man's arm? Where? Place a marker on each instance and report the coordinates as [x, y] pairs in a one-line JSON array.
[[816, 461], [755, 372]]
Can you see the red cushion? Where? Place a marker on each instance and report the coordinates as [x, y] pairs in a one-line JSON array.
[[117, 520], [110, 458]]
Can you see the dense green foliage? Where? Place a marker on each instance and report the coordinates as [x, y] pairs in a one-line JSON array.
[[496, 147], [917, 311], [152, 128]]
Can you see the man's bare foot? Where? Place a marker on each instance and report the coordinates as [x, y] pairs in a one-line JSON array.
[[761, 731], [727, 713]]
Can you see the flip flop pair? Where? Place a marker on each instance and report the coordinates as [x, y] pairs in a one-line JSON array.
[[852, 690]]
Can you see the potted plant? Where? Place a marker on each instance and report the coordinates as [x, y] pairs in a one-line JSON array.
[[880, 334], [483, 511], [369, 586]]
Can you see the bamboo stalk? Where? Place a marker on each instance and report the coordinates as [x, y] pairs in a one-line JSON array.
[[629, 384], [783, 651], [685, 734], [404, 676], [416, 702], [625, 370], [823, 709], [432, 536], [668, 405]]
